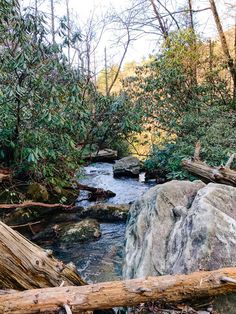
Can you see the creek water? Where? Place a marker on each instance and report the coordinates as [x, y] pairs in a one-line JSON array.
[[101, 260]]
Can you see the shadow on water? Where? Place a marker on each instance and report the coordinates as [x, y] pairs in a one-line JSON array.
[[101, 260]]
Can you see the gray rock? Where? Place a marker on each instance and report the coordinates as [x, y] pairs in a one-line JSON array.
[[152, 219], [104, 155], [106, 212], [180, 227], [205, 238], [85, 230], [127, 167]]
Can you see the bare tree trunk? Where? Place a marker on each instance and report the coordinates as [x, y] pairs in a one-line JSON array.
[[225, 48], [53, 21], [234, 87], [36, 8], [24, 265], [160, 21], [68, 27], [120, 64], [194, 47], [106, 72], [170, 289]]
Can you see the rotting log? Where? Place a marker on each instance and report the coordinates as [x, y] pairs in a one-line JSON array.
[[223, 175], [171, 289], [24, 265]]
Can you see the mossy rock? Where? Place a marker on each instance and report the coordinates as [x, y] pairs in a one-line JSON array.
[[21, 216], [85, 230], [37, 192], [106, 212]]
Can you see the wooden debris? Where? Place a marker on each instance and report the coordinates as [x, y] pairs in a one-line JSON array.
[[24, 265], [96, 193], [221, 174], [170, 289], [34, 204]]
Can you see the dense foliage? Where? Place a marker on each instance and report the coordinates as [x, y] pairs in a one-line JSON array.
[[50, 113], [186, 108]]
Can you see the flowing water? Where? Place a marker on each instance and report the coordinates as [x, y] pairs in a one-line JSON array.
[[101, 260]]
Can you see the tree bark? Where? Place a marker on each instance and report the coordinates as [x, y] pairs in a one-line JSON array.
[[194, 45], [160, 21], [68, 28], [53, 21], [225, 48], [171, 289], [221, 174], [24, 265]]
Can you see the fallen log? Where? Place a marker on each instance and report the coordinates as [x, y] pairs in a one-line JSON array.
[[96, 193], [221, 174], [24, 265], [171, 289], [35, 204]]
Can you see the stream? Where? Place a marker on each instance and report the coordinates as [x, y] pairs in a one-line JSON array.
[[101, 260]]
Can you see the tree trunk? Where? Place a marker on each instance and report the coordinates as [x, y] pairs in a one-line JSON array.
[[194, 45], [221, 174], [225, 48], [160, 21], [68, 28], [24, 265], [171, 289], [53, 21]]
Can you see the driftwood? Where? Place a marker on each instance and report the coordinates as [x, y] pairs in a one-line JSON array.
[[24, 265], [171, 289], [222, 174]]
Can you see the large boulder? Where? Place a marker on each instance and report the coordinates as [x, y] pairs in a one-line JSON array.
[[127, 167], [152, 219], [180, 227], [205, 236]]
